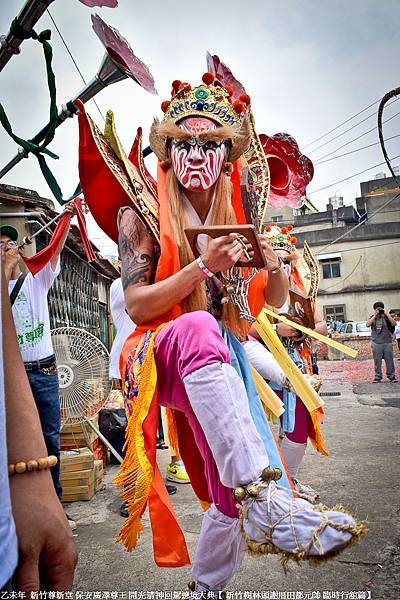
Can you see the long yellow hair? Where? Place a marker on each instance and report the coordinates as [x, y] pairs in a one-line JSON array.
[[222, 214]]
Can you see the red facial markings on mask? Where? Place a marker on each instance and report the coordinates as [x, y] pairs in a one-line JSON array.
[[197, 164]]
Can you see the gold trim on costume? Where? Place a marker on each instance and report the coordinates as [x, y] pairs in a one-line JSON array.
[[131, 183], [313, 267], [258, 166]]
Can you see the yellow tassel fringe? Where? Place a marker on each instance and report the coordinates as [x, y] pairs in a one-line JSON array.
[[136, 475]]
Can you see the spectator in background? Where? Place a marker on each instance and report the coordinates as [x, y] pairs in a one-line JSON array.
[[46, 553], [382, 329], [395, 315], [32, 324]]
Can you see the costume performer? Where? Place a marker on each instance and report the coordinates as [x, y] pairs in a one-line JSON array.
[[297, 423], [186, 355]]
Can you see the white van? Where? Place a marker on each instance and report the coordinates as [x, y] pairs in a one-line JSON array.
[[357, 328]]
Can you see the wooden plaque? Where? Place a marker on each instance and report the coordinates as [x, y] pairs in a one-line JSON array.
[[214, 231]]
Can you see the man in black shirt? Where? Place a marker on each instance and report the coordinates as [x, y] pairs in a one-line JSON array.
[[382, 327]]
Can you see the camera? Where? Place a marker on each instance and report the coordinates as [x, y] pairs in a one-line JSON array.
[[381, 311]]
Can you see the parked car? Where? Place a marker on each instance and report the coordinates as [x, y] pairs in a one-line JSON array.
[[356, 328]]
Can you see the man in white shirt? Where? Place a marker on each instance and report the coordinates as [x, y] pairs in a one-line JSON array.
[[32, 324]]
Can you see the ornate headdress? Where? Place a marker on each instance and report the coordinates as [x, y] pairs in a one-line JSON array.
[[281, 238], [211, 100]]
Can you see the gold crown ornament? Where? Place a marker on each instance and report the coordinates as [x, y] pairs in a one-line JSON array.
[[212, 100], [280, 238]]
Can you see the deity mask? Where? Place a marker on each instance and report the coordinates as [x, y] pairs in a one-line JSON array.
[[197, 163]]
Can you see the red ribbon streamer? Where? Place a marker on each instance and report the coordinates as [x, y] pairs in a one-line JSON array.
[[37, 262]]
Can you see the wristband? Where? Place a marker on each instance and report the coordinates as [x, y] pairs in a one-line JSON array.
[[40, 464], [203, 267]]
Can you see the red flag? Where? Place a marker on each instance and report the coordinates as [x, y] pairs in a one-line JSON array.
[[37, 262]]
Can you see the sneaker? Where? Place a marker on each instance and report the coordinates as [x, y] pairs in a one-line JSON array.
[[171, 489], [177, 473], [161, 445], [393, 380], [71, 522], [201, 591], [276, 523], [376, 380], [123, 510]]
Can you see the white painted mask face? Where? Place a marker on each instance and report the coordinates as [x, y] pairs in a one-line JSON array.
[[197, 164]]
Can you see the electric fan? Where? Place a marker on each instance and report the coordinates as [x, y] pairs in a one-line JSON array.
[[82, 366]]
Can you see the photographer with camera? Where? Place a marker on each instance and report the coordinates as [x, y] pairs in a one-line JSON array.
[[382, 327]]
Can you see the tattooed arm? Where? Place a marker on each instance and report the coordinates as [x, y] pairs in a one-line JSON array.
[[144, 300]]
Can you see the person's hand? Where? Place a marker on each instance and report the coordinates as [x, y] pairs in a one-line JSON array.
[[47, 553], [10, 256], [284, 330], [70, 208], [223, 253], [269, 253]]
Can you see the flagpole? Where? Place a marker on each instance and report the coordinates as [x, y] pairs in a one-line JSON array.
[[20, 27]]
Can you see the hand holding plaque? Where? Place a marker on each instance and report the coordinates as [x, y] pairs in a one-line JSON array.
[[252, 253]]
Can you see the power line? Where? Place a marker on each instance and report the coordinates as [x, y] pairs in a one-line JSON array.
[[350, 177], [346, 131], [373, 246], [355, 139], [340, 125], [382, 104], [73, 60], [320, 162], [346, 233]]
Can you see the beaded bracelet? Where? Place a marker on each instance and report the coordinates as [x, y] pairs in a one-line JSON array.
[[32, 465]]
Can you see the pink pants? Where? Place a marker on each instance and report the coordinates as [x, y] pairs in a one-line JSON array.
[[184, 349], [301, 424], [187, 344]]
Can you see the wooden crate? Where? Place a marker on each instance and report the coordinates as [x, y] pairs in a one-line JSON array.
[[98, 475], [76, 460], [78, 493], [76, 478], [77, 427]]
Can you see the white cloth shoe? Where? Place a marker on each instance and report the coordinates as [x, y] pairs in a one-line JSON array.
[[293, 453], [276, 523]]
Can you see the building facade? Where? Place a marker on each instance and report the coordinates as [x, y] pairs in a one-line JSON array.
[[358, 265], [79, 296], [285, 215]]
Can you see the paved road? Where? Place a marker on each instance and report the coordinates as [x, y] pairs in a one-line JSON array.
[[362, 473]]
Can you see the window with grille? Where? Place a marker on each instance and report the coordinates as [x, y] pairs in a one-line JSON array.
[[331, 268], [336, 312]]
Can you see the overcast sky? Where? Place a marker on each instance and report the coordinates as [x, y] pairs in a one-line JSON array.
[[307, 64]]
